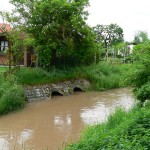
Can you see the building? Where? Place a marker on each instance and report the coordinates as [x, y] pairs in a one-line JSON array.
[[130, 47], [4, 44]]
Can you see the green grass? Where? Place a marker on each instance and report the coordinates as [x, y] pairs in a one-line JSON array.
[[102, 76], [11, 95], [123, 130], [107, 76], [3, 69], [34, 76]]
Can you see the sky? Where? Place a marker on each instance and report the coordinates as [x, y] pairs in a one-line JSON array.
[[130, 15]]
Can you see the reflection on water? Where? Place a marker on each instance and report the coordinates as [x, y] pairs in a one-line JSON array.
[[50, 124], [59, 122], [24, 135]]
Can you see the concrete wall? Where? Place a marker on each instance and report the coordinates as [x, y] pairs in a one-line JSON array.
[[44, 92]]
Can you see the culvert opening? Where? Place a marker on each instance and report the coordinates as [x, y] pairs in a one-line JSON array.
[[77, 89], [55, 93]]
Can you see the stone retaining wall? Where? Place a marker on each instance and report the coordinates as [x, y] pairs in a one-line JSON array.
[[44, 92]]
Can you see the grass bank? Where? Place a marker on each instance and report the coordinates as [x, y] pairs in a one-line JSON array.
[[3, 69], [103, 76], [123, 130], [11, 95]]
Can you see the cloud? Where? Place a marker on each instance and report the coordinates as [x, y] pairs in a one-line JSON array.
[[5, 5], [131, 15]]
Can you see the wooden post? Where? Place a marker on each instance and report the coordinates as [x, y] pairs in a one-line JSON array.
[[25, 57], [9, 56]]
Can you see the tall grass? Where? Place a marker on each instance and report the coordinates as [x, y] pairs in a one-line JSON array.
[[123, 130], [3, 69], [11, 95], [102, 76], [33, 76], [107, 76]]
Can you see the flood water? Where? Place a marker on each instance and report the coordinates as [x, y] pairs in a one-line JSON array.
[[49, 125]]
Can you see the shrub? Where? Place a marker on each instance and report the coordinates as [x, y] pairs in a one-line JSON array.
[[11, 95], [124, 130], [143, 93], [140, 79]]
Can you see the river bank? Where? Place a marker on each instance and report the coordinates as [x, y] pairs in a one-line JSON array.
[[102, 76], [54, 123], [123, 130]]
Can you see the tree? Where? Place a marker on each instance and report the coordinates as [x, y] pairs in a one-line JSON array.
[[59, 29], [108, 35], [140, 37]]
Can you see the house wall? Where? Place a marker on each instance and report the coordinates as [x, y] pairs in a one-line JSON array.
[[26, 61], [3, 60], [130, 47]]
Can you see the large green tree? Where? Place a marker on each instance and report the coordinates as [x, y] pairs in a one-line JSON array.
[[59, 29], [108, 35]]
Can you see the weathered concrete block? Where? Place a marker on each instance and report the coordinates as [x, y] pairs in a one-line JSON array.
[[44, 92]]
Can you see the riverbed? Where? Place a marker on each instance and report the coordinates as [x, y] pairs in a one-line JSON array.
[[58, 121]]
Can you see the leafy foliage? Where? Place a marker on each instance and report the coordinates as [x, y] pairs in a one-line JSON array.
[[11, 95], [143, 93], [118, 132], [59, 29], [141, 77]]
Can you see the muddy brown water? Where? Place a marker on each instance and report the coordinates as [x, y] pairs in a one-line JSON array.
[[49, 125]]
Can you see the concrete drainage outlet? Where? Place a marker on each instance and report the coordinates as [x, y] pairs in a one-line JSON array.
[[45, 92]]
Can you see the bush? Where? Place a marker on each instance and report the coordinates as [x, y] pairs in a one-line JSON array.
[[143, 93], [140, 80], [124, 130], [11, 95], [139, 77]]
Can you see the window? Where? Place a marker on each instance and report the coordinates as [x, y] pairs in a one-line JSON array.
[[4, 45]]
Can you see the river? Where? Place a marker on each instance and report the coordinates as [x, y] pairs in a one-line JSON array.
[[51, 124]]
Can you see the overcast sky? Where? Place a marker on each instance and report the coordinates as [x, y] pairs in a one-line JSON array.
[[131, 15]]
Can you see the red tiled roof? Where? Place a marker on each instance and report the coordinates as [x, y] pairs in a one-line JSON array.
[[4, 27]]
